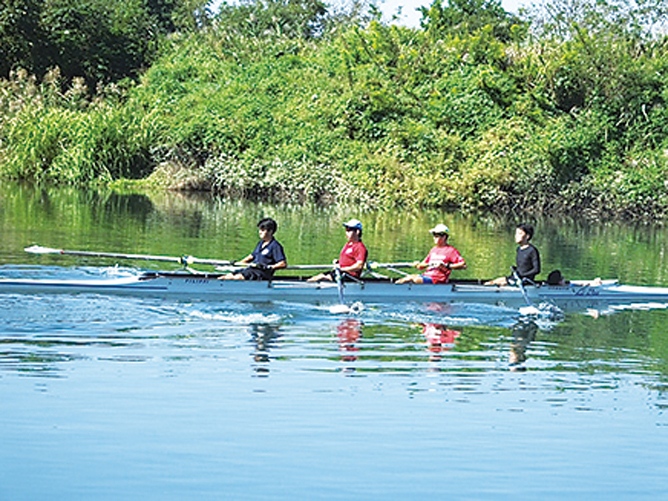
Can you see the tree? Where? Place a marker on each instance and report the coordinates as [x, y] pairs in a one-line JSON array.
[[99, 40], [467, 17], [21, 35], [261, 18]]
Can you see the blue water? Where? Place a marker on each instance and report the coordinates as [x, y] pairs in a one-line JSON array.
[[126, 398]]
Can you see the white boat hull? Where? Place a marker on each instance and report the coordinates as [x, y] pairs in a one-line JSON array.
[[576, 295]]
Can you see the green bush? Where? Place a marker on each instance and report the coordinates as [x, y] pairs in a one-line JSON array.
[[468, 112]]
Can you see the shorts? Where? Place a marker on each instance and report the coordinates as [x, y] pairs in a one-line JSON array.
[[256, 274], [345, 277], [429, 280]]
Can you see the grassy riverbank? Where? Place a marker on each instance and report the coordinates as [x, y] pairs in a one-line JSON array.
[[490, 115]]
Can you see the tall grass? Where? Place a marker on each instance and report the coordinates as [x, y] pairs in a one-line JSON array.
[[51, 136]]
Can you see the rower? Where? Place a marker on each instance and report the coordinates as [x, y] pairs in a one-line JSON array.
[[527, 261], [440, 261], [353, 256], [267, 257]]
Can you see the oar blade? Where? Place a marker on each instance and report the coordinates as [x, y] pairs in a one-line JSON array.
[[339, 309], [38, 249], [529, 311]]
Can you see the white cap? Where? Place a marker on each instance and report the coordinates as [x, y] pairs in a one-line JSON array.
[[353, 223], [440, 228]]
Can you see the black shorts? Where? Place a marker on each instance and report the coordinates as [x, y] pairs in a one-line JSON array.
[[345, 277], [256, 274]]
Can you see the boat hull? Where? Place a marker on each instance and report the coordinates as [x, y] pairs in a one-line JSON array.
[[576, 295]]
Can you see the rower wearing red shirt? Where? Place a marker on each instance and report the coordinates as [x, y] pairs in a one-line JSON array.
[[353, 255], [440, 261]]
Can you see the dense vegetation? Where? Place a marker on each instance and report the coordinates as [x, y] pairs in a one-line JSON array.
[[562, 109]]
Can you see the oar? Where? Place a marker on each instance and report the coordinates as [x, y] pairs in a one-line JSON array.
[[341, 307], [184, 260], [398, 271], [307, 267], [530, 309], [374, 265]]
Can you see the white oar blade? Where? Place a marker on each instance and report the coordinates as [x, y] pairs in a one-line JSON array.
[[529, 311], [38, 249], [339, 309]]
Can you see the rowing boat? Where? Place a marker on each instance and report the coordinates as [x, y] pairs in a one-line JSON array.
[[206, 286]]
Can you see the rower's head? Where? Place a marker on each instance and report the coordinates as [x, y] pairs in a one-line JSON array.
[[266, 228], [523, 233], [440, 233], [353, 229]]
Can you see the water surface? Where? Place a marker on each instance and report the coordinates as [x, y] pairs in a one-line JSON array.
[[131, 398]]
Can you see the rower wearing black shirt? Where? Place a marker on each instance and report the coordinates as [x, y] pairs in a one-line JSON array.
[[267, 257], [528, 258]]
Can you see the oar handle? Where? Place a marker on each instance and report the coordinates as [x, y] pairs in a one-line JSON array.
[[308, 267], [374, 265]]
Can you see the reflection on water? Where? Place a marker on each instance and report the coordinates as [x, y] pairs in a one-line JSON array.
[[523, 333], [124, 398], [206, 226], [264, 337], [349, 332], [173, 386], [42, 334], [439, 339]]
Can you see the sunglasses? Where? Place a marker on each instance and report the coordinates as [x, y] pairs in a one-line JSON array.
[[439, 234]]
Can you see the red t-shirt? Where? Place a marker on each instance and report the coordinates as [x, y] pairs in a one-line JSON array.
[[352, 252], [446, 254]]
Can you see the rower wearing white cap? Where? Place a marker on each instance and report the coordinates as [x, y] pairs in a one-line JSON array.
[[440, 261], [353, 255]]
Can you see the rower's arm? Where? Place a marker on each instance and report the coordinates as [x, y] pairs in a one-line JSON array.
[[458, 266], [247, 260], [421, 265], [356, 266], [279, 265]]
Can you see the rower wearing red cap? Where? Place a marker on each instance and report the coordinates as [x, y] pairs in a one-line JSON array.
[[353, 255]]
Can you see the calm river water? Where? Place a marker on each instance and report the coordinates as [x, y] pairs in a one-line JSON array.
[[130, 398]]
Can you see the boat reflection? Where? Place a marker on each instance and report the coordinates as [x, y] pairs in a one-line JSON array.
[[264, 338]]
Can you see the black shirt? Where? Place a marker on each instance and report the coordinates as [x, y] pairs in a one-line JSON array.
[[528, 262], [271, 253]]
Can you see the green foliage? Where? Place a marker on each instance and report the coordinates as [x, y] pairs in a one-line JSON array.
[[461, 18], [276, 100], [275, 18], [99, 40], [21, 35]]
